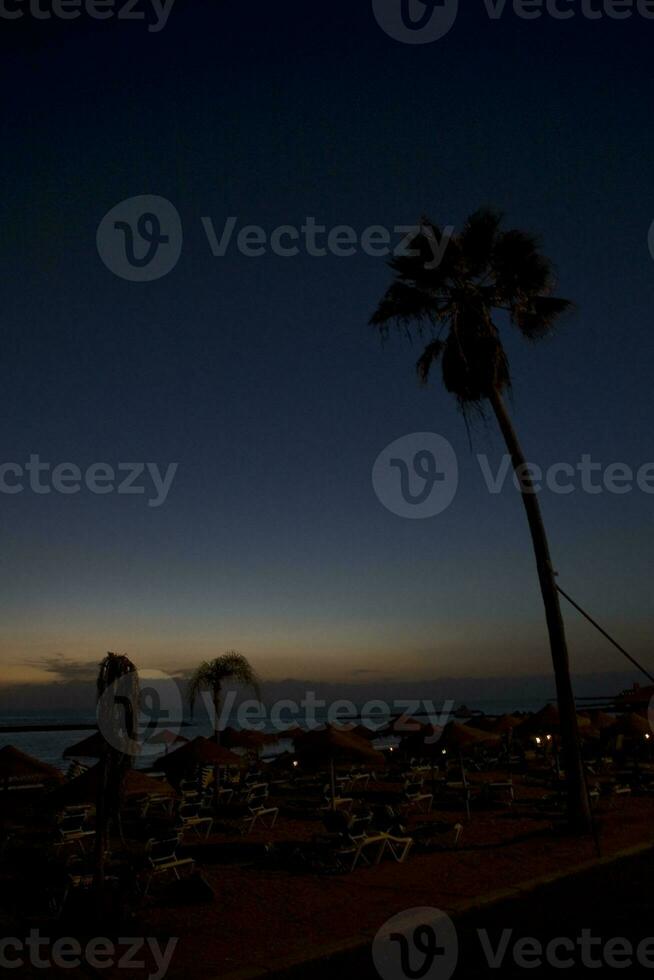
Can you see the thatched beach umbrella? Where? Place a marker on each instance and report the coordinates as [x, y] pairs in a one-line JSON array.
[[84, 789], [502, 725], [457, 738], [253, 741], [362, 731], [599, 719], [284, 762], [329, 745], [19, 769], [634, 726], [547, 722], [403, 725], [200, 751], [167, 738], [92, 747]]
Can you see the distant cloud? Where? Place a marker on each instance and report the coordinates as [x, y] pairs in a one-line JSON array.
[[65, 670]]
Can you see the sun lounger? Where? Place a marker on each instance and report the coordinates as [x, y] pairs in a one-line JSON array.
[[72, 830], [255, 798], [190, 818], [267, 815], [415, 799], [356, 844], [162, 859]]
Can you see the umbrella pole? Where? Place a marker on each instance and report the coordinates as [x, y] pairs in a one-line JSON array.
[[465, 785], [333, 781]]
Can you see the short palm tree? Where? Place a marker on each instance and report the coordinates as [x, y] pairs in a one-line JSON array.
[[117, 711], [487, 272], [212, 675]]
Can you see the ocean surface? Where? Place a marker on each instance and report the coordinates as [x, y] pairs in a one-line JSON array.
[[49, 746]]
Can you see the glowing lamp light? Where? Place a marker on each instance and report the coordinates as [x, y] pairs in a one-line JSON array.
[[295, 763], [549, 738], [444, 752], [537, 740], [647, 735]]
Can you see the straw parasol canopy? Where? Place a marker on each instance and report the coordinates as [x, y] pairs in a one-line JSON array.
[[246, 738], [503, 725], [362, 731], [284, 762], [293, 732], [166, 737], [461, 737], [547, 721], [332, 743], [91, 747], [329, 745], [18, 768], [200, 751], [634, 726], [84, 789], [599, 719], [403, 725]]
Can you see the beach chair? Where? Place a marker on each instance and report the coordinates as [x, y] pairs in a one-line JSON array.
[[414, 798], [399, 847], [162, 859], [190, 818], [502, 789], [72, 829], [351, 843], [256, 799]]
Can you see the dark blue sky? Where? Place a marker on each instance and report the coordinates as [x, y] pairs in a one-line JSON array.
[[261, 377]]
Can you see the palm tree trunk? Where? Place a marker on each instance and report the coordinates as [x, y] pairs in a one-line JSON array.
[[578, 803], [216, 735], [101, 831]]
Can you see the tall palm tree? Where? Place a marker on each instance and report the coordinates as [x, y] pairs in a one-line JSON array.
[[213, 674], [117, 711], [486, 272]]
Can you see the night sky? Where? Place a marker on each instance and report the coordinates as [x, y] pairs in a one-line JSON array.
[[260, 376]]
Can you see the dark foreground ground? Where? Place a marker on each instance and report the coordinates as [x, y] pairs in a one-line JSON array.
[[612, 903]]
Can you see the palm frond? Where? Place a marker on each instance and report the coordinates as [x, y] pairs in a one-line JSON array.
[[404, 305], [212, 674], [478, 239], [482, 271], [428, 358], [538, 318]]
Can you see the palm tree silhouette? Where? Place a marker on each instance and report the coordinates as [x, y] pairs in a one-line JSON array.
[[213, 674], [117, 710], [486, 271]]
